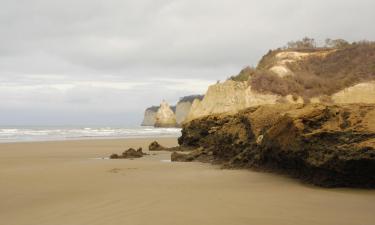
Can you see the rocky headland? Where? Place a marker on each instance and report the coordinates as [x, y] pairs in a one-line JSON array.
[[308, 112], [327, 145]]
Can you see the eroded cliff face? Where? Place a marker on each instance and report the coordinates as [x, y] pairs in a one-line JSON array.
[[232, 96], [325, 76], [182, 110], [327, 145], [149, 117], [165, 116], [282, 59], [360, 93]]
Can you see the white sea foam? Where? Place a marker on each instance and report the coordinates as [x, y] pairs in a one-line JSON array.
[[46, 134]]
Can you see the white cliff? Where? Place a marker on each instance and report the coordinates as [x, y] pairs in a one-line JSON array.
[[165, 116]]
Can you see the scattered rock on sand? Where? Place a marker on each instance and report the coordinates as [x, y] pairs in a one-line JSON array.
[[155, 146], [131, 153], [114, 156]]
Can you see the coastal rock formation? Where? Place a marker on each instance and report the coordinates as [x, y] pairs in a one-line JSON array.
[[328, 75], [131, 153], [155, 146], [232, 96], [183, 107], [165, 116], [327, 145], [149, 117], [317, 75]]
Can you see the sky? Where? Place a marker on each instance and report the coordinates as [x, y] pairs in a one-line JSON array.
[[102, 62]]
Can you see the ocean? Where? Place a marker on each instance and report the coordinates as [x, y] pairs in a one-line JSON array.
[[32, 134]]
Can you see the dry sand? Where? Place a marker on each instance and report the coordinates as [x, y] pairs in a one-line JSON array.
[[63, 183]]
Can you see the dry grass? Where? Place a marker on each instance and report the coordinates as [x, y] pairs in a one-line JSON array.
[[318, 76]]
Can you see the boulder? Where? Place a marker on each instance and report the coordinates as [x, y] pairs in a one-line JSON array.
[[114, 156], [131, 153], [155, 146]]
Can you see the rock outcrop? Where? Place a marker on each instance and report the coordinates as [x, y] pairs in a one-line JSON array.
[[149, 117], [131, 153], [327, 145], [165, 117], [155, 146]]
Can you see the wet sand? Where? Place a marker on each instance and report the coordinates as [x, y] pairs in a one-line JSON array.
[[65, 183]]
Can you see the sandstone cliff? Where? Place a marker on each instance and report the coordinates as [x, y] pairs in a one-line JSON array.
[[323, 75], [232, 96], [184, 106], [180, 112], [360, 93], [149, 117], [165, 116], [325, 145]]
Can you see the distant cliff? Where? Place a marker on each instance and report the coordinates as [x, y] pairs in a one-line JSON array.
[[149, 117], [169, 116], [165, 117], [343, 73], [184, 106]]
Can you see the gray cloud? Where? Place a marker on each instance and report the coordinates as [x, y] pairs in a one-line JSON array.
[[116, 56]]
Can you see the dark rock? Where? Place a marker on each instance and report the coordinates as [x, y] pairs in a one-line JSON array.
[[330, 146], [155, 146], [181, 157], [114, 156], [198, 154], [131, 153]]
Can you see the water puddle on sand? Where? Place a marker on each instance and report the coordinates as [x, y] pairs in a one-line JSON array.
[[100, 158]]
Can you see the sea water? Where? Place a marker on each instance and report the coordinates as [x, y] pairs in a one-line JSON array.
[[25, 134]]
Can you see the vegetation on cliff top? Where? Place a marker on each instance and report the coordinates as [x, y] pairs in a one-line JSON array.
[[190, 98], [317, 75], [153, 108]]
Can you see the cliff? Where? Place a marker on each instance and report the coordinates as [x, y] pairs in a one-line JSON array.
[[149, 117], [319, 75], [165, 116], [184, 106], [232, 96], [327, 145], [180, 112]]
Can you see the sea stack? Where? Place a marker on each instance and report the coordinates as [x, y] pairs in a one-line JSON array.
[[165, 116]]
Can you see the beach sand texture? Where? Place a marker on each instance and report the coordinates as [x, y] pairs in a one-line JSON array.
[[65, 183]]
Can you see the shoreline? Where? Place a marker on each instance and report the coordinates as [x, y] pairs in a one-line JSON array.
[[90, 139], [63, 182]]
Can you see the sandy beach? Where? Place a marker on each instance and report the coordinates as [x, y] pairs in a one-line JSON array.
[[67, 183]]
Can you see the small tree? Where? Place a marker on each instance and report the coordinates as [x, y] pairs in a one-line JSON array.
[[305, 43], [336, 43]]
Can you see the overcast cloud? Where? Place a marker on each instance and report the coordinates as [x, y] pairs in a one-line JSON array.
[[104, 61]]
